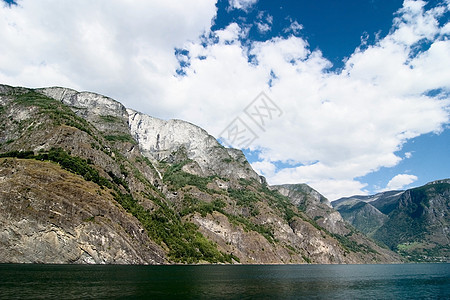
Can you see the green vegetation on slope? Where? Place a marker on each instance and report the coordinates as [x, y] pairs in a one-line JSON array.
[[246, 203], [120, 138], [58, 112], [73, 164], [185, 243], [178, 178], [243, 197]]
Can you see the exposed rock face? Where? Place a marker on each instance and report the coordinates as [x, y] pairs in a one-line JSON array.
[[161, 140], [137, 189], [250, 247], [302, 195], [89, 105], [157, 139], [48, 215], [308, 243], [314, 205]]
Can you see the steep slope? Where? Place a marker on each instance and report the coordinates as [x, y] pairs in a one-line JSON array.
[[419, 226], [49, 215], [414, 222], [159, 140], [320, 210], [367, 213], [193, 200], [314, 205], [363, 216]]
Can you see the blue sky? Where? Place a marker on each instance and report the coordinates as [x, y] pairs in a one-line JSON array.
[[334, 27], [351, 96], [337, 28]]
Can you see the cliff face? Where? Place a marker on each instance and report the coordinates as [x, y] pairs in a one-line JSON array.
[[159, 140], [85, 180], [49, 215]]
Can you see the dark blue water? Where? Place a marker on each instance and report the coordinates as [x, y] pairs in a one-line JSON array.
[[407, 281]]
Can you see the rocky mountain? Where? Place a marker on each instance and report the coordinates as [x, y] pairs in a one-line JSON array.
[[85, 180], [316, 206], [367, 213], [415, 222]]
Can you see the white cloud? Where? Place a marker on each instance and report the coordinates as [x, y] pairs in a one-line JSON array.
[[400, 181], [335, 127], [295, 28], [264, 22], [241, 4], [335, 189], [230, 34], [263, 27], [120, 48], [408, 154], [266, 168]]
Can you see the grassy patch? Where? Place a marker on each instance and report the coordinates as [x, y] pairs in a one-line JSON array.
[[123, 138], [191, 205], [70, 163], [111, 119], [178, 178], [405, 247]]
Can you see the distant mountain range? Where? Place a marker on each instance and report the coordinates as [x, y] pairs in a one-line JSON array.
[[83, 180], [415, 222]]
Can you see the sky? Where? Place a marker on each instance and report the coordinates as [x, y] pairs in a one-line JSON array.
[[350, 97]]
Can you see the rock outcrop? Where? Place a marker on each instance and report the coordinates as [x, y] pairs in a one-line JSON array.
[[163, 140], [49, 215]]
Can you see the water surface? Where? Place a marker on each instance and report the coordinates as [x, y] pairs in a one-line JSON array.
[[402, 281]]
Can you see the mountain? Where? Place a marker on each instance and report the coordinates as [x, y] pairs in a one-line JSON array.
[[313, 204], [83, 179], [415, 222], [367, 213]]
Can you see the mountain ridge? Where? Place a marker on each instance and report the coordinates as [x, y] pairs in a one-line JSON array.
[[414, 222], [196, 201]]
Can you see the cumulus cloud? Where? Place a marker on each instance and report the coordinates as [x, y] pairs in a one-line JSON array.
[[400, 181], [241, 4], [120, 48], [336, 125], [340, 126]]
